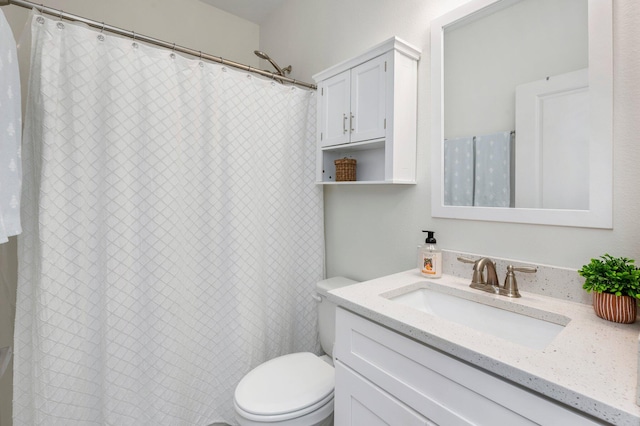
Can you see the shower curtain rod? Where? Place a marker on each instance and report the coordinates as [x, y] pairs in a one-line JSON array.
[[139, 37]]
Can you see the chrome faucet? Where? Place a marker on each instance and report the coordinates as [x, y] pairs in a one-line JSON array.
[[491, 284]]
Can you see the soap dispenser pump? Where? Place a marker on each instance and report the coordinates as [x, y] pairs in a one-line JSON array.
[[430, 257]]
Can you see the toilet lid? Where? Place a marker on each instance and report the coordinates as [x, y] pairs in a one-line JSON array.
[[285, 384]]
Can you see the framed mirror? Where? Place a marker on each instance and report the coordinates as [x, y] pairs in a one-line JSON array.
[[522, 112]]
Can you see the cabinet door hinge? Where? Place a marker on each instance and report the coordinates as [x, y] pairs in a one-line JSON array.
[[385, 123], [320, 135], [385, 66], [322, 91]]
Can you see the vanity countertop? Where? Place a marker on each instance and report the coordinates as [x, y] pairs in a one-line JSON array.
[[591, 365]]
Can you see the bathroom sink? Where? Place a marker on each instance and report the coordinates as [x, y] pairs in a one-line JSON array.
[[515, 327]]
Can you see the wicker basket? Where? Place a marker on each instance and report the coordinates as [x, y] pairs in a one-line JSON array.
[[345, 169]]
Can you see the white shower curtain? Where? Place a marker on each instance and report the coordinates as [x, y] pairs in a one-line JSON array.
[[172, 232]]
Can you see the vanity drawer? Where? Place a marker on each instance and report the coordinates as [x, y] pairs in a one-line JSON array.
[[440, 387]]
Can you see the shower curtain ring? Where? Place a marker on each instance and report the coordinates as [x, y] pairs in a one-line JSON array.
[[102, 29], [134, 44], [60, 12]]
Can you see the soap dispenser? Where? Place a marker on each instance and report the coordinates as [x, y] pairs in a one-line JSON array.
[[430, 257]]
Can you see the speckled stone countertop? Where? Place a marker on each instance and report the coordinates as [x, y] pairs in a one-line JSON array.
[[591, 365]]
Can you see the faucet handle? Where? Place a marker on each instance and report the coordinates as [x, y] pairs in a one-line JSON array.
[[510, 288], [527, 269], [467, 260], [477, 278]]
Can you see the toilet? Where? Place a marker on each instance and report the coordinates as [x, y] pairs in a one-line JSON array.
[[294, 389]]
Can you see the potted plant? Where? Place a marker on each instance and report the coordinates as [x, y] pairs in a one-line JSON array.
[[615, 282]]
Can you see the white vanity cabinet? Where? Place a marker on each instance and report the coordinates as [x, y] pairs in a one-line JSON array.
[[367, 110], [383, 377]]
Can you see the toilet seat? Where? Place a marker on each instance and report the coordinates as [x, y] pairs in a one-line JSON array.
[[284, 388], [316, 412]]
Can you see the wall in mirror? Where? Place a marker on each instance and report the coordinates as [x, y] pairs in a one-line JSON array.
[[520, 110]]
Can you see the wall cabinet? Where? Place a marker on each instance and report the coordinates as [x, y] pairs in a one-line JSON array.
[[367, 111], [387, 378], [353, 104]]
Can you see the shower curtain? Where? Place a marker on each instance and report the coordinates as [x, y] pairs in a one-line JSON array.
[[173, 232]]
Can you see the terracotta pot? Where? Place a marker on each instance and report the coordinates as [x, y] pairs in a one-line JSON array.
[[622, 309]]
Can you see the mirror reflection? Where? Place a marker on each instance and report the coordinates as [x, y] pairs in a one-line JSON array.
[[516, 106]]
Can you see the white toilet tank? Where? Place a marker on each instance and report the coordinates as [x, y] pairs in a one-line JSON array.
[[327, 311]]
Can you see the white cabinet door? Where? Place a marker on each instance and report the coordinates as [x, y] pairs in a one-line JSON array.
[[358, 402], [335, 109], [368, 100], [353, 104], [552, 142]]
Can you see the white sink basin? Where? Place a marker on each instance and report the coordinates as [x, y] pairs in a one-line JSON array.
[[517, 328]]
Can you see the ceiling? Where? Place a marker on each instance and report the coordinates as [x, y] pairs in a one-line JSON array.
[[252, 10]]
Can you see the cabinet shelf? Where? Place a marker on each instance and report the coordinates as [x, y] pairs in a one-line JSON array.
[[365, 182], [356, 146]]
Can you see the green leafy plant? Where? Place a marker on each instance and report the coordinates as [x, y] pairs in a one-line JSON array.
[[608, 274]]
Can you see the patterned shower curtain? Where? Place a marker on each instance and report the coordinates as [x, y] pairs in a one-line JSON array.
[[173, 232]]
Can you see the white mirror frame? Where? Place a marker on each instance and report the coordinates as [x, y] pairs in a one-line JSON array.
[[600, 213]]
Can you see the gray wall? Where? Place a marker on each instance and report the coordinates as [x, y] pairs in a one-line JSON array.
[[480, 82], [374, 230]]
